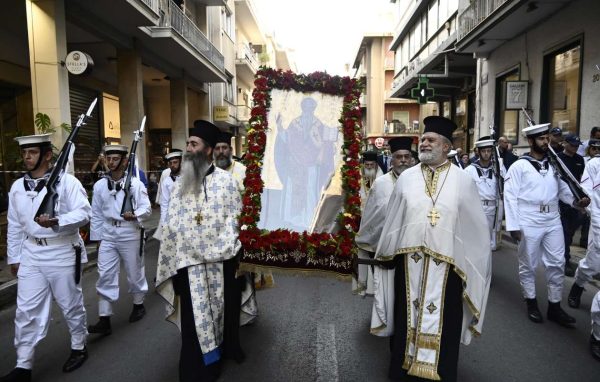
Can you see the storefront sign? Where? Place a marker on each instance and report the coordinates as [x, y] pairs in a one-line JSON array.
[[379, 142], [422, 93], [516, 94], [78, 62], [220, 113], [111, 117]]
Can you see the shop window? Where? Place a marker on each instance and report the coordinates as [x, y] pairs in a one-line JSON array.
[[506, 121], [561, 88]]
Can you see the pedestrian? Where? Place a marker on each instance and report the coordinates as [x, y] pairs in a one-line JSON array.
[[120, 237], [508, 158], [486, 179], [531, 194], [372, 220], [436, 238], [594, 135], [43, 256], [571, 218], [464, 160], [590, 265], [556, 139], [199, 235], [239, 286], [99, 168]]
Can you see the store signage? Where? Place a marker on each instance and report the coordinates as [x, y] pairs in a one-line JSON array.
[[220, 113], [516, 95], [422, 93], [78, 62], [379, 142]]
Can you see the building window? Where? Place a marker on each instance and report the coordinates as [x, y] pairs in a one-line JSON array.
[[561, 88], [226, 22], [506, 121], [229, 91]]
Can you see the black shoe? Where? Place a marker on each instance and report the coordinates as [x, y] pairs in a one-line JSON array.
[[76, 359], [17, 375], [569, 269], [533, 312], [574, 299], [595, 347], [137, 313], [556, 314], [102, 327]]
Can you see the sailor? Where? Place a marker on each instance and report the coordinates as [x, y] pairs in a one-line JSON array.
[[43, 255], [174, 163], [486, 179], [531, 194], [120, 238]]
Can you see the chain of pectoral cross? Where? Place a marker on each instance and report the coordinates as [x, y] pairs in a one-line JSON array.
[[433, 214]]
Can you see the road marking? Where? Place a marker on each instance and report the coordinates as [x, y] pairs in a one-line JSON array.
[[327, 366]]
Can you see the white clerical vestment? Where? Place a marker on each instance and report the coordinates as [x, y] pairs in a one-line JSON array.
[[365, 187], [434, 225], [371, 225], [200, 232]]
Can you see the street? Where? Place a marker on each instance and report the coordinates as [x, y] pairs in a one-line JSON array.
[[314, 329]]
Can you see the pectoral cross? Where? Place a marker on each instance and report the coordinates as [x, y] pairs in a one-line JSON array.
[[433, 216], [198, 218]]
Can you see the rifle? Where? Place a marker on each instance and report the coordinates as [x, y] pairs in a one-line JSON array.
[[128, 200], [561, 169], [50, 201], [496, 165]]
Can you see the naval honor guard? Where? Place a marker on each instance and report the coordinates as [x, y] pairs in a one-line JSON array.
[[43, 255], [120, 237], [531, 193], [483, 173]]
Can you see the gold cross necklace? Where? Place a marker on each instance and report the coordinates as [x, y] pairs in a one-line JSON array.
[[433, 214]]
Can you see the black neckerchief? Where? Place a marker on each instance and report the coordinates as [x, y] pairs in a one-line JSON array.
[[36, 185], [113, 184], [538, 165], [480, 168]]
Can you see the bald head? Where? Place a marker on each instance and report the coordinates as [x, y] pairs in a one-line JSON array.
[[503, 144]]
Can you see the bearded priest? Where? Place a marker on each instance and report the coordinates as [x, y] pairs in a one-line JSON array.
[[373, 215], [200, 233], [436, 239]]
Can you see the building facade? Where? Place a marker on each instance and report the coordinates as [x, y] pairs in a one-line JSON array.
[[540, 55]]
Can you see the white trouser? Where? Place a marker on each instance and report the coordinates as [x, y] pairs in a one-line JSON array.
[[490, 219], [545, 243], [595, 313], [35, 290], [110, 254], [589, 266]]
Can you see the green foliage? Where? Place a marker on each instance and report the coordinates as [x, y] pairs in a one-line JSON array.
[[43, 123]]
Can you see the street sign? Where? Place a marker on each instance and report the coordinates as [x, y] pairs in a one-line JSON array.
[[422, 93]]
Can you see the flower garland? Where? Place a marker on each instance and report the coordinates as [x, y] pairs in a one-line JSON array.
[[286, 249]]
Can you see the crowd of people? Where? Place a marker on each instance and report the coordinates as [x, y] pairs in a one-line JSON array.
[[424, 247]]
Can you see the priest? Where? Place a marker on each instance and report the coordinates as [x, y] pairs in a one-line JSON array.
[[200, 233], [373, 214], [436, 239], [369, 172]]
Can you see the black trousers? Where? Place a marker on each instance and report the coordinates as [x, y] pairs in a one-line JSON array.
[[571, 220], [451, 330], [233, 301]]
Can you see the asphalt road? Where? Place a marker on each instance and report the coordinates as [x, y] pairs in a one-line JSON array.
[[314, 329]]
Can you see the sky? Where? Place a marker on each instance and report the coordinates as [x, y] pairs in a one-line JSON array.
[[324, 34]]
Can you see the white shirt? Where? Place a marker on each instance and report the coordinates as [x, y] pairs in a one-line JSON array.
[[73, 212], [107, 223], [487, 183], [590, 182], [165, 195]]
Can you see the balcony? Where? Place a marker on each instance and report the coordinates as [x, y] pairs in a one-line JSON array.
[[243, 113], [484, 25], [248, 23], [247, 63], [221, 3], [179, 39]]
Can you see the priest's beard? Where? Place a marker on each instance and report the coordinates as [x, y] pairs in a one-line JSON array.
[[193, 170], [222, 161], [370, 173], [400, 169], [431, 157]]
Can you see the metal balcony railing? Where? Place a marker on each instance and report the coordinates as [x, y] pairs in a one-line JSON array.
[[173, 16], [244, 53], [475, 14]]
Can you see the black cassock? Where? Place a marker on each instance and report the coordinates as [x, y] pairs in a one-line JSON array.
[[451, 329]]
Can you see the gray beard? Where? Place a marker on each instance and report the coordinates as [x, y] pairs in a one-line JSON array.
[[431, 157], [222, 162], [370, 173], [400, 169], [193, 171]]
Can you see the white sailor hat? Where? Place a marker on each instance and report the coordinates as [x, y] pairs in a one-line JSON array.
[[115, 149], [484, 143], [38, 140], [173, 154], [452, 153], [536, 130]]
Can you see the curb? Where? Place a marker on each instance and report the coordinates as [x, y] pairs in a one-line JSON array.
[[8, 290]]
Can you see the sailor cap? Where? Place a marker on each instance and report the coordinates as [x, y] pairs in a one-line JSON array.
[[173, 154], [452, 153], [34, 140], [115, 149], [536, 130], [484, 143]]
